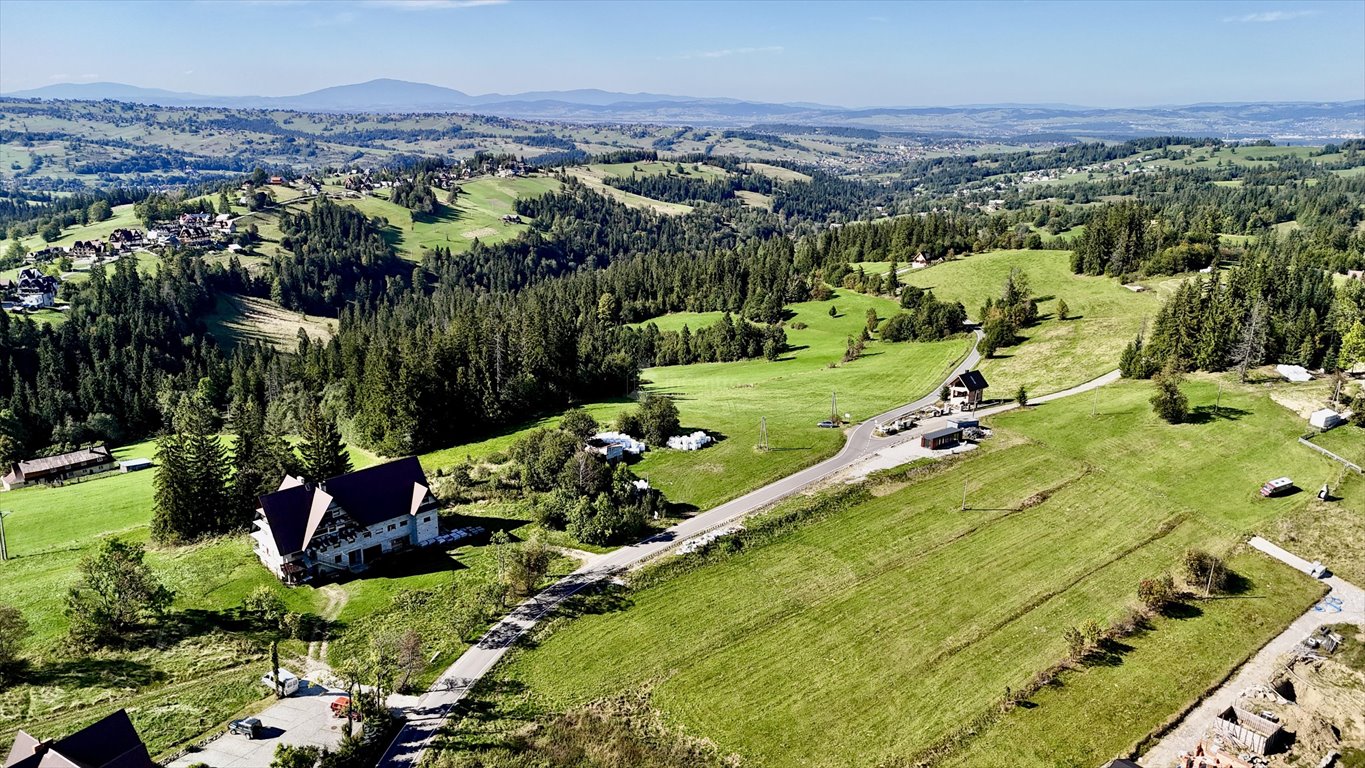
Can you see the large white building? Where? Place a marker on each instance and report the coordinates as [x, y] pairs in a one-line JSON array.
[[344, 524]]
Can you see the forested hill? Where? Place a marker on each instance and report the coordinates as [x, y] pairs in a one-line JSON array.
[[442, 351]]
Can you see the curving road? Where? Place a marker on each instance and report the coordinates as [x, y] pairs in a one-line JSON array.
[[426, 718]]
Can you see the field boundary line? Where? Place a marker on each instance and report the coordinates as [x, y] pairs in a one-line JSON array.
[[1349, 464]]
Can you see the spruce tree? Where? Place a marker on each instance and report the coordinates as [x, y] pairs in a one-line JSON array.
[[259, 461], [322, 454], [191, 498]]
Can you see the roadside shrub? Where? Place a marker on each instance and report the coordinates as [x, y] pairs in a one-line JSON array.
[[1075, 643], [1205, 571], [1156, 593]]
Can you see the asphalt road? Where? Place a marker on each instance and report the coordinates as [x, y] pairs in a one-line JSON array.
[[427, 717]]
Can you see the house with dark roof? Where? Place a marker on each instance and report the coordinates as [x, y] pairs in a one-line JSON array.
[[343, 524], [110, 743], [967, 389], [60, 468]]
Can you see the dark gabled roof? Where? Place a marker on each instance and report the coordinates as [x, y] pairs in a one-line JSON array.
[[287, 513], [368, 496], [942, 432], [375, 494], [109, 743], [972, 380]]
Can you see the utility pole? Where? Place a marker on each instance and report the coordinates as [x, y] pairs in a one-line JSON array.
[[763, 433], [1218, 404], [834, 407], [964, 494], [1094, 394], [4, 549]]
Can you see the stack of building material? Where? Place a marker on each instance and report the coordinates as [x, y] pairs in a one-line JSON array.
[[693, 442], [628, 444]]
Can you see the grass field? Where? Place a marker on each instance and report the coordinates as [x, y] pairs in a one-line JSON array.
[[593, 175], [1098, 711], [793, 394], [1056, 354], [1333, 531], [251, 319], [1346, 441], [777, 172], [870, 634], [123, 218], [476, 214]]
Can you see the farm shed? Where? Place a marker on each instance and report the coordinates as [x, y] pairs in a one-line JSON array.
[[1256, 733], [54, 469], [946, 437], [134, 465], [963, 423]]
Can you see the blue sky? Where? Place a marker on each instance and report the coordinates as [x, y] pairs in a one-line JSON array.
[[846, 53]]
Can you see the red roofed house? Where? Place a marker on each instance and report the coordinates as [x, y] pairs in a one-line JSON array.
[[345, 523]]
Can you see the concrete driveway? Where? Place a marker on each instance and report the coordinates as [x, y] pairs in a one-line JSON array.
[[306, 718]]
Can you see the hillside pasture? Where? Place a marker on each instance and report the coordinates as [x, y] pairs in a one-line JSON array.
[[871, 634], [777, 172], [240, 319], [122, 218], [1054, 354], [476, 214], [592, 177]]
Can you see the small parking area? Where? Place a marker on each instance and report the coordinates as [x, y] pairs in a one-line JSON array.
[[305, 718]]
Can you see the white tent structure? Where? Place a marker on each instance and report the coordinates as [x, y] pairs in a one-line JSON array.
[[1295, 373]]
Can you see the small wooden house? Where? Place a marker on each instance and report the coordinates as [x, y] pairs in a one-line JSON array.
[[967, 389]]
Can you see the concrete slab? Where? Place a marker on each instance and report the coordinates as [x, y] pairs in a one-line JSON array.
[[305, 719]]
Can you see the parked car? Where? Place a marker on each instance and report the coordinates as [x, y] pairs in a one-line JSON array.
[[827, 424], [341, 704], [289, 682], [249, 727]]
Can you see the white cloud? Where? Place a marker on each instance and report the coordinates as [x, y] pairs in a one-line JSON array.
[[724, 52], [59, 76], [431, 5], [1265, 17]]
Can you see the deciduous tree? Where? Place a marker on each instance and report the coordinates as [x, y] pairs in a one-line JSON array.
[[117, 591]]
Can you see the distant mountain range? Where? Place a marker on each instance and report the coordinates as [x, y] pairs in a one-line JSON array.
[[1308, 120]]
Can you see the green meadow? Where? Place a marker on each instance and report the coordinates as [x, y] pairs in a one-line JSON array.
[[1055, 354], [869, 635]]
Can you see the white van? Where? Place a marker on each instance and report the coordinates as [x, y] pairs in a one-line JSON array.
[[289, 682]]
